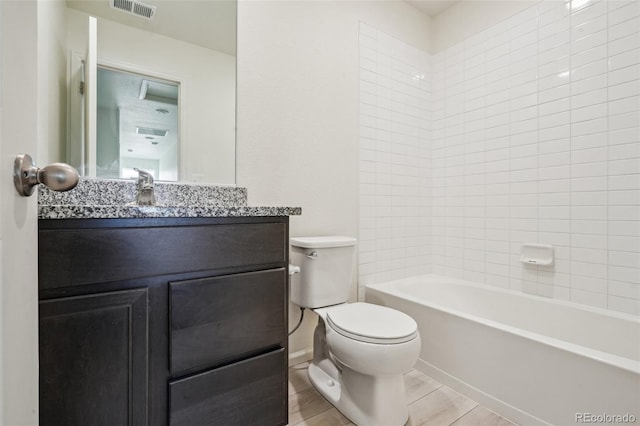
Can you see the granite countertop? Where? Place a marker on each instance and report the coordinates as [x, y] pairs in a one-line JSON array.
[[114, 199], [121, 211]]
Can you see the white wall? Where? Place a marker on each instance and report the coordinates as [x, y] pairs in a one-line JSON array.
[[52, 78], [208, 90], [298, 109], [167, 161]]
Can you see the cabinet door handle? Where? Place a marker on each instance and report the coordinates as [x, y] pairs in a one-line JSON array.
[[57, 176]]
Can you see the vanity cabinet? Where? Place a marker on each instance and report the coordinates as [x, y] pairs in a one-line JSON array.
[[169, 321]]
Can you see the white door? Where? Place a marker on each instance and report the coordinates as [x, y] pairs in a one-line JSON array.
[[18, 216]]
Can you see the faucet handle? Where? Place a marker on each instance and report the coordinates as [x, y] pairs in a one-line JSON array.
[[145, 197], [144, 176]]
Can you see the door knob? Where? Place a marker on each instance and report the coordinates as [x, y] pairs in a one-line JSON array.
[[57, 176]]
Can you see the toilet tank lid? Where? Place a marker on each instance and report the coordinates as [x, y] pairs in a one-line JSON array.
[[322, 242]]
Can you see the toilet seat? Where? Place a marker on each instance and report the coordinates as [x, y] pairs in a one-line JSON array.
[[370, 323]]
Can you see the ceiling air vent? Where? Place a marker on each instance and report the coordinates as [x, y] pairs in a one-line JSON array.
[[134, 7], [151, 131]]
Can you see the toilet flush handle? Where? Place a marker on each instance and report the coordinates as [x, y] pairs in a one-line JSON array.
[[313, 255]]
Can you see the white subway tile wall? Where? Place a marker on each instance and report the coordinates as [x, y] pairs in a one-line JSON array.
[[530, 133], [394, 159]]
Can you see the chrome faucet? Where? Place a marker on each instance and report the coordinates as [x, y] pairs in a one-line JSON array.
[[145, 188]]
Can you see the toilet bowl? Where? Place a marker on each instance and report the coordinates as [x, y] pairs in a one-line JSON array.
[[371, 339], [360, 350], [359, 370]]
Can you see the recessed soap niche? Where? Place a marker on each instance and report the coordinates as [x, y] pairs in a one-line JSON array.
[[536, 254]]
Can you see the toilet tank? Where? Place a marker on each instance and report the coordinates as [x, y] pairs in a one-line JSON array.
[[326, 267]]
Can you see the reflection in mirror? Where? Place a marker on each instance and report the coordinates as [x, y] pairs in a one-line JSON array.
[[137, 125], [191, 43]]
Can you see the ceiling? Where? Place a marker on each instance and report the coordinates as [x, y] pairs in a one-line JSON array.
[[210, 24], [432, 7]]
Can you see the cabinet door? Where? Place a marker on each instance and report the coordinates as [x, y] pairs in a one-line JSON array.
[[93, 359], [250, 392]]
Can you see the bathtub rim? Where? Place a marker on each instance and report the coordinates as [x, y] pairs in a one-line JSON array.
[[393, 288]]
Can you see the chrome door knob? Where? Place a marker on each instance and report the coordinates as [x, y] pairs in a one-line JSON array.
[[56, 176]]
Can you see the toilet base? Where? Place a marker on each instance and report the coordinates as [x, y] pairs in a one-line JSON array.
[[365, 400]]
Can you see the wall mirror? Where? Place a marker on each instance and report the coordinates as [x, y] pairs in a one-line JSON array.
[[152, 85], [137, 125]]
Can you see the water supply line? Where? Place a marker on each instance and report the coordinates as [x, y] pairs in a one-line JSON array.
[[299, 322]]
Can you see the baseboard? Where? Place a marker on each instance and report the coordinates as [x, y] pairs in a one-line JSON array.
[[301, 356], [494, 404]]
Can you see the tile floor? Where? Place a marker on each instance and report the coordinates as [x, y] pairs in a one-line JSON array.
[[430, 403]]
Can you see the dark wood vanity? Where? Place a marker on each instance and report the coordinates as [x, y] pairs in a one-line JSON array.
[[163, 321]]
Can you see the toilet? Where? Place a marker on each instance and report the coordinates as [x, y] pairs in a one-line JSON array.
[[360, 350]]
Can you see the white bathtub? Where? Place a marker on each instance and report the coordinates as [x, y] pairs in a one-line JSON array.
[[533, 360]]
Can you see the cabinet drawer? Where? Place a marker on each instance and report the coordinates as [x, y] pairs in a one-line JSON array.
[[222, 319], [71, 257], [238, 394]]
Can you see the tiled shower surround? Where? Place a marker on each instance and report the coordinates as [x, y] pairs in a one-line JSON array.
[[395, 165], [530, 133]]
